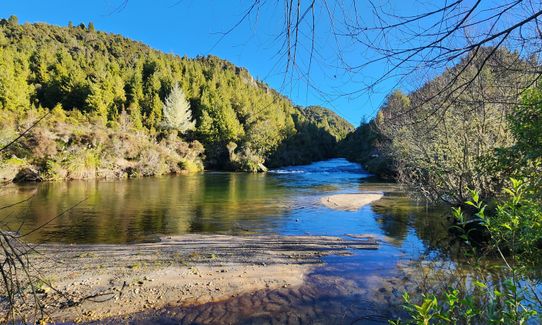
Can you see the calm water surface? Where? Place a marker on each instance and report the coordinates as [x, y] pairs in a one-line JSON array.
[[364, 286], [284, 201]]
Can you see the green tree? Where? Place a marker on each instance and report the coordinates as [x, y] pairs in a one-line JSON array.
[[101, 75], [523, 160], [441, 156], [219, 123], [14, 72], [13, 20]]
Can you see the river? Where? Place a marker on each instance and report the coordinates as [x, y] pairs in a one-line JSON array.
[[363, 286]]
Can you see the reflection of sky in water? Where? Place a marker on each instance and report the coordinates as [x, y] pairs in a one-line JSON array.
[[316, 220], [284, 201], [309, 217], [393, 222]]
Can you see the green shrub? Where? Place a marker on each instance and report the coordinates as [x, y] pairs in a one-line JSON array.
[[484, 305], [515, 227], [82, 164], [10, 167], [190, 166], [54, 171]]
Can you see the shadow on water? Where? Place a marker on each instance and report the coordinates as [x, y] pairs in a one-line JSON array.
[[322, 300]]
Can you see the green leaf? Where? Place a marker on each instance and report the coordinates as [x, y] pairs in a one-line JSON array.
[[480, 284]]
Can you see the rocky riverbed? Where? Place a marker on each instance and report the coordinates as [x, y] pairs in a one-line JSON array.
[[85, 283]]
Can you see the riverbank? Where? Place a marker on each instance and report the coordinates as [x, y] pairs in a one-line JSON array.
[[91, 282]]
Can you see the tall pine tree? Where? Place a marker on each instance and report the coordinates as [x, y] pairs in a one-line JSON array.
[[177, 114]]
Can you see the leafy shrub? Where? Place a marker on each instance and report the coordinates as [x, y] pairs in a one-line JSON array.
[[54, 171], [190, 166], [515, 227], [483, 305], [82, 164], [59, 149], [10, 167]]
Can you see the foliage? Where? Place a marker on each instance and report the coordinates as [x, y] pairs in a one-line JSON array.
[[440, 152], [506, 306], [318, 133], [69, 145], [515, 227], [176, 112], [108, 79], [364, 146], [248, 161], [523, 160], [325, 119], [513, 221]]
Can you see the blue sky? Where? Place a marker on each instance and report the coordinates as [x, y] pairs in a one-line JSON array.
[[194, 27]]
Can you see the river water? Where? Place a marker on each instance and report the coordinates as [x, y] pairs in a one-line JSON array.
[[363, 287], [284, 201]]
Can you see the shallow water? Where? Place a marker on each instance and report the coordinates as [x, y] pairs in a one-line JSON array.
[[284, 201], [363, 287]]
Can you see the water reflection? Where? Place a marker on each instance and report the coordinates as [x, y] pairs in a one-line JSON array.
[[133, 210], [414, 248], [283, 201], [397, 214]]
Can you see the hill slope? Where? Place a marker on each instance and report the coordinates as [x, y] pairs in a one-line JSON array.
[[103, 86]]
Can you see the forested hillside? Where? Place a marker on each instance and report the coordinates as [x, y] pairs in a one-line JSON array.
[[364, 145], [319, 133], [114, 107], [445, 143]]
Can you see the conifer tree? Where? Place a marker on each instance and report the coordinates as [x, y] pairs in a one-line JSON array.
[[13, 20], [177, 114]]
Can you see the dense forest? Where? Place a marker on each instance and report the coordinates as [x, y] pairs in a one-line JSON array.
[[100, 105]]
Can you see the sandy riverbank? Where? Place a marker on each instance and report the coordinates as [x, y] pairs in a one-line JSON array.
[[350, 202], [100, 281]]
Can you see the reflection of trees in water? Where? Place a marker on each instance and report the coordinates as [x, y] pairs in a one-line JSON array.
[[127, 211], [436, 276], [445, 263], [393, 220], [396, 213], [236, 198]]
